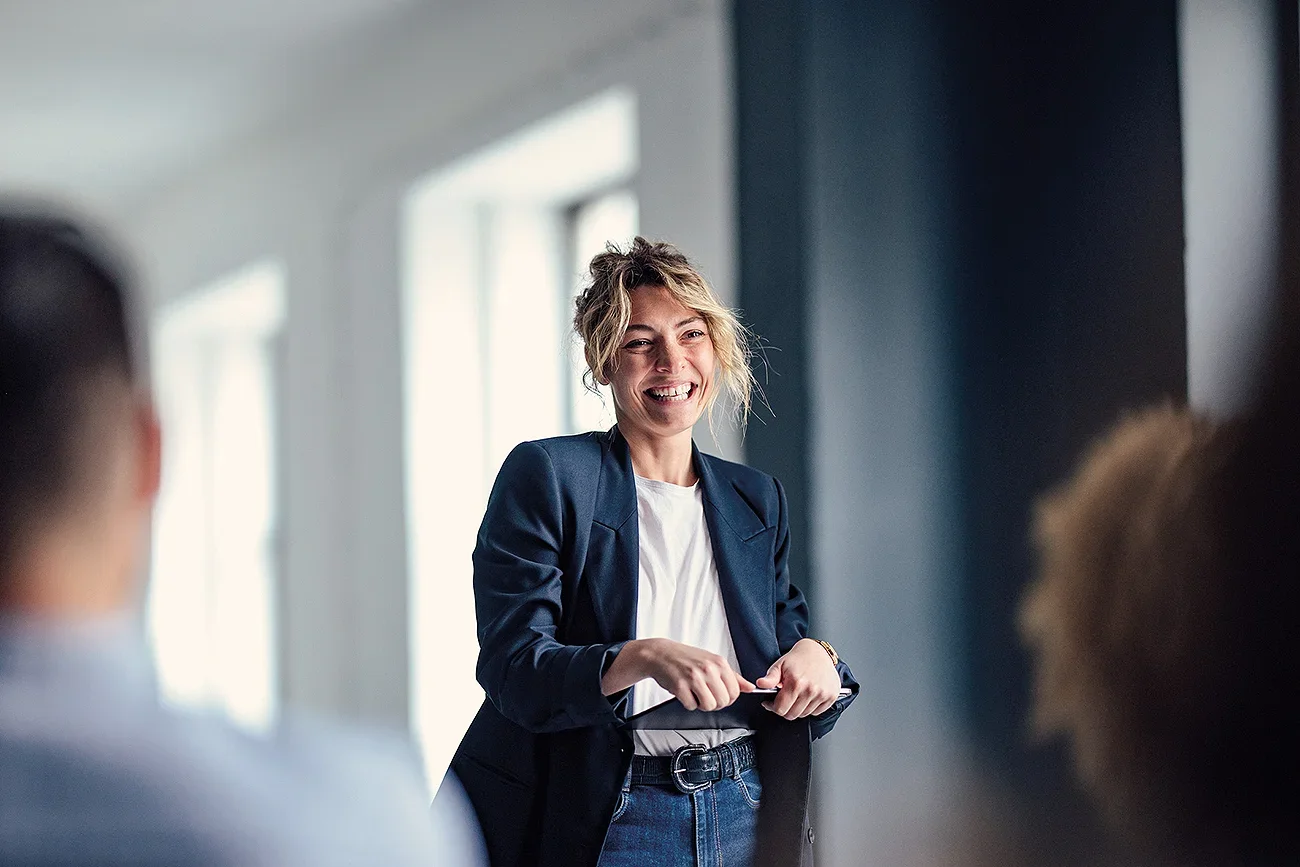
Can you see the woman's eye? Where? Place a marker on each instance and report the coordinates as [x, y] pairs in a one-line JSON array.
[[639, 343], [694, 334]]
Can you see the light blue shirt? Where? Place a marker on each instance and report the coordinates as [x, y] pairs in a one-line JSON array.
[[94, 771]]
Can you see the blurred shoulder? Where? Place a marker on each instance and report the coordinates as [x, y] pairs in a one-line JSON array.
[[334, 793], [166, 787], [355, 755]]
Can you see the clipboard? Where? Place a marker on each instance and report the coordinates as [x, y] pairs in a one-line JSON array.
[[744, 713]]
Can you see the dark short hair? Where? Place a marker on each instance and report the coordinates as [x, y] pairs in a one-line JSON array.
[[63, 328]]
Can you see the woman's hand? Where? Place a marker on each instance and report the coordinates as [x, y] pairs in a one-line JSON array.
[[807, 679], [699, 679]]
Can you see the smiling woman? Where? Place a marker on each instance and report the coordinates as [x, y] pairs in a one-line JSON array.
[[620, 569], [664, 370], [614, 323]]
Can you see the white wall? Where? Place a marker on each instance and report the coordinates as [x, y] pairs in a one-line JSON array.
[[1230, 193], [322, 192]]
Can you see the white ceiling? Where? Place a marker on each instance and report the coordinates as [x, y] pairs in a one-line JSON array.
[[102, 100]]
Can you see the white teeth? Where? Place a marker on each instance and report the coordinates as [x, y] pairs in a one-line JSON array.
[[677, 392]]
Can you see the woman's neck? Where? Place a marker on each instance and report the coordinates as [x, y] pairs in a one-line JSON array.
[[664, 460]]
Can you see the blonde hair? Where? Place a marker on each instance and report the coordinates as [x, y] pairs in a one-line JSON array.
[[604, 309]]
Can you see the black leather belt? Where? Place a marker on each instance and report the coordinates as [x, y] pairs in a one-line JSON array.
[[695, 767]]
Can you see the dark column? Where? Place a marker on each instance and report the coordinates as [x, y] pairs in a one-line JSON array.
[[771, 120], [1287, 35], [983, 204], [1070, 239]]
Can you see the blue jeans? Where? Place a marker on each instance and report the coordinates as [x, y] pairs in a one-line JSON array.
[[659, 825]]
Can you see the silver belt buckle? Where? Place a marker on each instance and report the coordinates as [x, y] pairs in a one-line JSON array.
[[678, 768]]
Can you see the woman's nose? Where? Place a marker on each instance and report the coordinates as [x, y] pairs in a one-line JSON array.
[[670, 357]]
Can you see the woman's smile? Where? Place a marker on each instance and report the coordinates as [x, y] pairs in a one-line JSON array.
[[665, 367], [672, 393]]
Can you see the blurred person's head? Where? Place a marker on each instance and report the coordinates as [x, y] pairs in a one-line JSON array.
[[654, 331], [1164, 635], [79, 444]]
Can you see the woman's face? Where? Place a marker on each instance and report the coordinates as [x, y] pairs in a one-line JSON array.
[[665, 367]]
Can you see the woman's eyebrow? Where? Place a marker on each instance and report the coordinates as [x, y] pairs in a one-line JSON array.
[[683, 323]]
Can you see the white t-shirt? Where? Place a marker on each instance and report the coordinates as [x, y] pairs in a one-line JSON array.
[[678, 597]]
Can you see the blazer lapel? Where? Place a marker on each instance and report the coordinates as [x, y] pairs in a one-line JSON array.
[[742, 548], [613, 550]]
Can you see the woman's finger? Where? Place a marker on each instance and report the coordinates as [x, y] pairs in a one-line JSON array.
[[708, 688], [773, 676], [731, 689], [801, 706], [820, 707], [825, 706], [785, 699], [686, 695], [738, 682], [721, 692]]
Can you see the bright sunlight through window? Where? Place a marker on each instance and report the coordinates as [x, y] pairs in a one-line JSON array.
[[492, 248], [210, 605]]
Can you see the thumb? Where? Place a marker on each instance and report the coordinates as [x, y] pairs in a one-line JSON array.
[[772, 678]]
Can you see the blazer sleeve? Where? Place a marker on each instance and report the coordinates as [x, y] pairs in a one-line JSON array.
[[529, 676], [792, 617]]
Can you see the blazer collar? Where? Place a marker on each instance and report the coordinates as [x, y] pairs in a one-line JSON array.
[[735, 529], [732, 509], [616, 491], [743, 554], [616, 494]]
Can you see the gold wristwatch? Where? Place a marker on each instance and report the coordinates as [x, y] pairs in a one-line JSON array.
[[826, 646]]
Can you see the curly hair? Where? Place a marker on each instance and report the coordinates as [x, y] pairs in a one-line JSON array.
[[604, 308], [1164, 651]]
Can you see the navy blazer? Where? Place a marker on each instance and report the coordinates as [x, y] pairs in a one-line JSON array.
[[555, 586]]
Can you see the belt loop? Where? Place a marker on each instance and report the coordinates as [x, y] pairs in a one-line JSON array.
[[741, 749]]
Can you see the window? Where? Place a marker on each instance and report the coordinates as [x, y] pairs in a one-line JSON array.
[[593, 223], [491, 245], [211, 596]]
